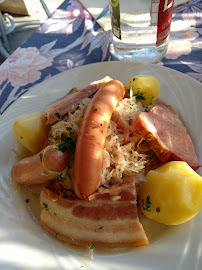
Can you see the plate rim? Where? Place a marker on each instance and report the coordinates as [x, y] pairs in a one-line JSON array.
[[95, 64]]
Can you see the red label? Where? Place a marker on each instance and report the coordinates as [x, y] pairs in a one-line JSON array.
[[164, 20]]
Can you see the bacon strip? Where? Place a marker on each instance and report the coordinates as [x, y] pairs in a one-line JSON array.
[[162, 128], [109, 219], [63, 105]]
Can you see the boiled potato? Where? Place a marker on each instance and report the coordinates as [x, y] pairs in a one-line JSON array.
[[145, 88], [30, 131], [172, 193]]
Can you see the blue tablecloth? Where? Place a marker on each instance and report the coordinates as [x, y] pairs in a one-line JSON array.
[[71, 38]]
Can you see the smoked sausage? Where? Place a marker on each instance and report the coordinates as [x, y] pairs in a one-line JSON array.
[[91, 139]]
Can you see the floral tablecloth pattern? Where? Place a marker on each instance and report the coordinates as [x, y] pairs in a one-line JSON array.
[[71, 38]]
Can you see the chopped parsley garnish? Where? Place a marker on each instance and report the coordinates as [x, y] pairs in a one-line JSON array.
[[58, 115], [146, 205], [27, 200], [69, 128], [59, 176], [92, 245], [46, 206], [158, 209], [94, 108], [40, 156], [146, 108], [68, 143], [56, 137], [128, 91], [100, 227], [56, 234], [139, 95], [64, 195]]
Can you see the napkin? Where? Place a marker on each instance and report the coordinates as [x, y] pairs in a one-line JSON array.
[[96, 7]]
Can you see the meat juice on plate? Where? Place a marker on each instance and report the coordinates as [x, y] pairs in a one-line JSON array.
[[140, 29]]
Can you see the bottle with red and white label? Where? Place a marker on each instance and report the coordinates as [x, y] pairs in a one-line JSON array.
[[140, 29]]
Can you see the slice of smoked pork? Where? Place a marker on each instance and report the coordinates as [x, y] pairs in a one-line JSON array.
[[53, 111], [109, 219], [162, 128]]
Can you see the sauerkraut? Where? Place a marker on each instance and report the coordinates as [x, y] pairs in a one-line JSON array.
[[121, 157]]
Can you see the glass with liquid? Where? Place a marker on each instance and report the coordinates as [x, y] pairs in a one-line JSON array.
[[140, 29]]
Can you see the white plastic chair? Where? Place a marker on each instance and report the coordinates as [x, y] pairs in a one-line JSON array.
[[7, 26]]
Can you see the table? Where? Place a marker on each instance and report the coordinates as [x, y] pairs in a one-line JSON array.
[[71, 38]]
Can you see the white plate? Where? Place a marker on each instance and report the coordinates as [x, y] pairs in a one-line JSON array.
[[24, 245]]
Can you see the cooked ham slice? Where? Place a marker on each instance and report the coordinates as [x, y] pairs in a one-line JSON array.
[[162, 128], [109, 219], [61, 106]]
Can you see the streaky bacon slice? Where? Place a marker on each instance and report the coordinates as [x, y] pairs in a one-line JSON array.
[[109, 218], [162, 128], [63, 105]]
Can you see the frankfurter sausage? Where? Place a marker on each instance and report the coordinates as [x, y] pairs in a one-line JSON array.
[[91, 139], [40, 168]]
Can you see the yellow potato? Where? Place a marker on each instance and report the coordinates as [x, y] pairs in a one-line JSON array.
[[172, 193], [145, 88], [30, 131]]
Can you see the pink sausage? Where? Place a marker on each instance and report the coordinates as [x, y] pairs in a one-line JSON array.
[[90, 142], [40, 168]]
